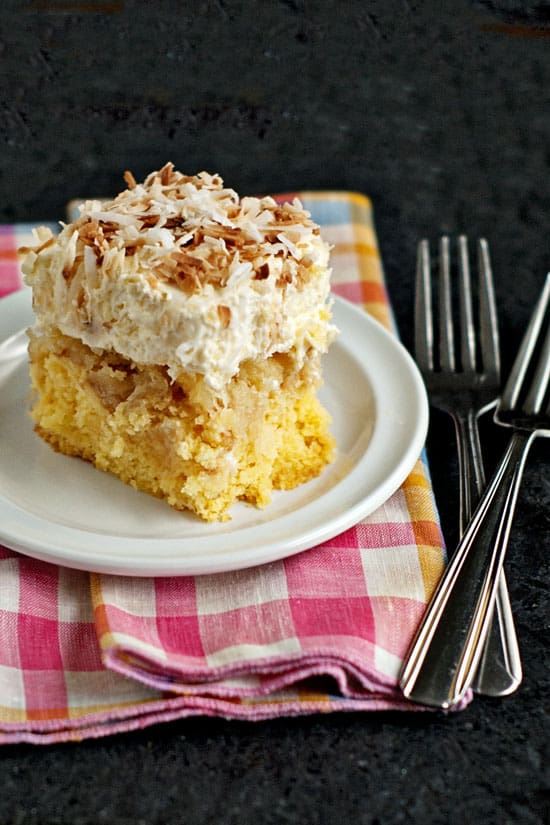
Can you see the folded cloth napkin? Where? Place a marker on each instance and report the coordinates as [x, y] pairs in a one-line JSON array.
[[86, 655]]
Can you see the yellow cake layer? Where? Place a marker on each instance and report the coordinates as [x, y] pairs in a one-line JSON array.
[[180, 441]]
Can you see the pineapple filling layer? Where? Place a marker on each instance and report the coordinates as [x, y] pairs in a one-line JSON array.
[[179, 439]]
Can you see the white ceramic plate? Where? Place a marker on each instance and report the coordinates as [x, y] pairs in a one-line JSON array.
[[63, 510]]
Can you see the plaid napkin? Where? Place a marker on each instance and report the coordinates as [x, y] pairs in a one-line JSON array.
[[86, 655]]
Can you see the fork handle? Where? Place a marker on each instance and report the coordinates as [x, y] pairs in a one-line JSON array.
[[470, 465], [499, 672], [442, 661]]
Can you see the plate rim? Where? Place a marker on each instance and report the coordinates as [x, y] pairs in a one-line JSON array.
[[164, 564]]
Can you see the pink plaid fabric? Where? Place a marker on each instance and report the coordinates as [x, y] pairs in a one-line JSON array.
[[86, 655]]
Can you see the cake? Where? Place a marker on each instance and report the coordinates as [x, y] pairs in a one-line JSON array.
[[178, 340]]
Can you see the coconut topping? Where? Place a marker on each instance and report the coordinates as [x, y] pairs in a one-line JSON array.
[[182, 271], [190, 231]]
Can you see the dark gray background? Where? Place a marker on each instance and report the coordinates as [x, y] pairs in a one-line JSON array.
[[440, 112]]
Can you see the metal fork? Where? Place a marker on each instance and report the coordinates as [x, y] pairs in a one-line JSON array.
[[465, 391], [444, 655]]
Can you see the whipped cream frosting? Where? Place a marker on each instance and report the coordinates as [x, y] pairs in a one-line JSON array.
[[180, 271]]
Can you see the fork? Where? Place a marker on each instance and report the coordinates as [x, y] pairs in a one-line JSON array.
[[441, 663], [466, 391]]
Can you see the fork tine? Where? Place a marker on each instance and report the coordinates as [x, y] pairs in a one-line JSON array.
[[446, 336], [423, 316], [514, 384], [539, 385], [490, 350], [467, 330]]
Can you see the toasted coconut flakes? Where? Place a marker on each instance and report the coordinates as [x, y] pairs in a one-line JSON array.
[[130, 180], [69, 271], [166, 174], [24, 250], [293, 249], [114, 219], [284, 278], [192, 231], [148, 221], [173, 223], [302, 275], [224, 315]]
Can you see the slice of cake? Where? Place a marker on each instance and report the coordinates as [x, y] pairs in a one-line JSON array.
[[178, 338]]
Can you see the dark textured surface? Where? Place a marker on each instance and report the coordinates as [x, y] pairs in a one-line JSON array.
[[440, 112]]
